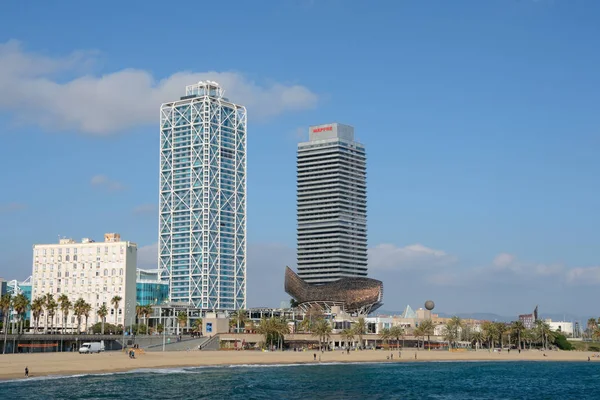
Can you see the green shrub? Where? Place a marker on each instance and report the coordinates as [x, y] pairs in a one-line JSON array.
[[562, 343]]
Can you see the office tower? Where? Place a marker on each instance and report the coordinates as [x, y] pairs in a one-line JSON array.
[[93, 271], [332, 205], [202, 215]]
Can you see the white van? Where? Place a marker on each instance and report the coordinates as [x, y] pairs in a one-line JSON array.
[[92, 347]]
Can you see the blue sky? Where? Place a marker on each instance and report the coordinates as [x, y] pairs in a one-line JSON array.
[[479, 118]]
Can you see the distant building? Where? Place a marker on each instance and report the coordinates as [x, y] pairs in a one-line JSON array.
[[332, 205], [15, 287], [202, 205], [94, 272], [150, 289], [529, 319], [561, 326]]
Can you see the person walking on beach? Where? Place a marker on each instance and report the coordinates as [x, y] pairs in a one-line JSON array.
[[315, 357], [415, 356], [27, 370]]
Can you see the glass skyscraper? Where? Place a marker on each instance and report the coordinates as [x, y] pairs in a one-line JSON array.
[[202, 215], [332, 205]]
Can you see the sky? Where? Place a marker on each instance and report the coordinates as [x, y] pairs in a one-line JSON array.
[[480, 120]]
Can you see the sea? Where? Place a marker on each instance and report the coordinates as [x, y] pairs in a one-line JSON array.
[[418, 380]]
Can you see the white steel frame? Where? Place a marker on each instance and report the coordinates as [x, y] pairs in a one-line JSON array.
[[208, 122]]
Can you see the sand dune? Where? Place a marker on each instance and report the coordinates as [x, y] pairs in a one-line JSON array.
[[13, 365]]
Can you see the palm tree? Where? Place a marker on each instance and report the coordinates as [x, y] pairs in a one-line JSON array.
[[182, 318], [490, 332], [115, 302], [102, 313], [360, 329], [85, 310], [544, 333], [517, 327], [322, 329], [48, 299], [78, 309], [397, 332], [65, 306], [5, 305], [454, 329], [37, 306], [478, 338], [239, 318], [501, 329], [146, 312], [139, 311], [385, 335], [419, 333], [198, 325], [20, 305], [428, 329], [305, 325], [347, 336], [51, 306]]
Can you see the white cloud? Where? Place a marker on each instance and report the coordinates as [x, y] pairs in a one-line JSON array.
[[415, 256], [145, 209], [30, 88], [503, 259], [584, 276], [11, 207], [102, 181], [147, 256]]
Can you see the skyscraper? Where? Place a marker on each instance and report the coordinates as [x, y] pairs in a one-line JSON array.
[[202, 215], [332, 205]]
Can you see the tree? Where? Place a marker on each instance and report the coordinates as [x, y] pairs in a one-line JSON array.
[[51, 306], [322, 329], [360, 329], [490, 333], [85, 310], [544, 333], [239, 318], [20, 305], [517, 328], [397, 332], [347, 336], [139, 311], [419, 333], [65, 306], [5, 305], [198, 325], [48, 300], [293, 303], [37, 306], [182, 319], [385, 335], [477, 337], [146, 312], [102, 313], [115, 302], [454, 329], [79, 310], [428, 329], [501, 329]]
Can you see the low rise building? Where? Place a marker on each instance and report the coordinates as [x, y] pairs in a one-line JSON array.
[[96, 272], [150, 288], [563, 327]]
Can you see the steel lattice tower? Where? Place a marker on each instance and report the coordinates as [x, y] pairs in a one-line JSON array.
[[202, 213]]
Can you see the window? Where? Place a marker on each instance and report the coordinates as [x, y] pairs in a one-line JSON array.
[[97, 273], [44, 251], [74, 265], [59, 258], [58, 275], [120, 311], [105, 272], [67, 258], [106, 250], [97, 250], [36, 252], [59, 251], [75, 251], [52, 252], [121, 271], [75, 257], [114, 272]]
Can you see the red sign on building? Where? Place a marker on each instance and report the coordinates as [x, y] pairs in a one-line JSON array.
[[325, 128]]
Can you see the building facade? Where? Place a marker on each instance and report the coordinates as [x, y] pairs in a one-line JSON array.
[[15, 288], [332, 205], [93, 271], [150, 288], [202, 212]]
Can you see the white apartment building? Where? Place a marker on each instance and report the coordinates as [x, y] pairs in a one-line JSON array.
[[93, 271]]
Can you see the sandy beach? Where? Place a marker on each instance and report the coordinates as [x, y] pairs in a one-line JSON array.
[[12, 366]]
